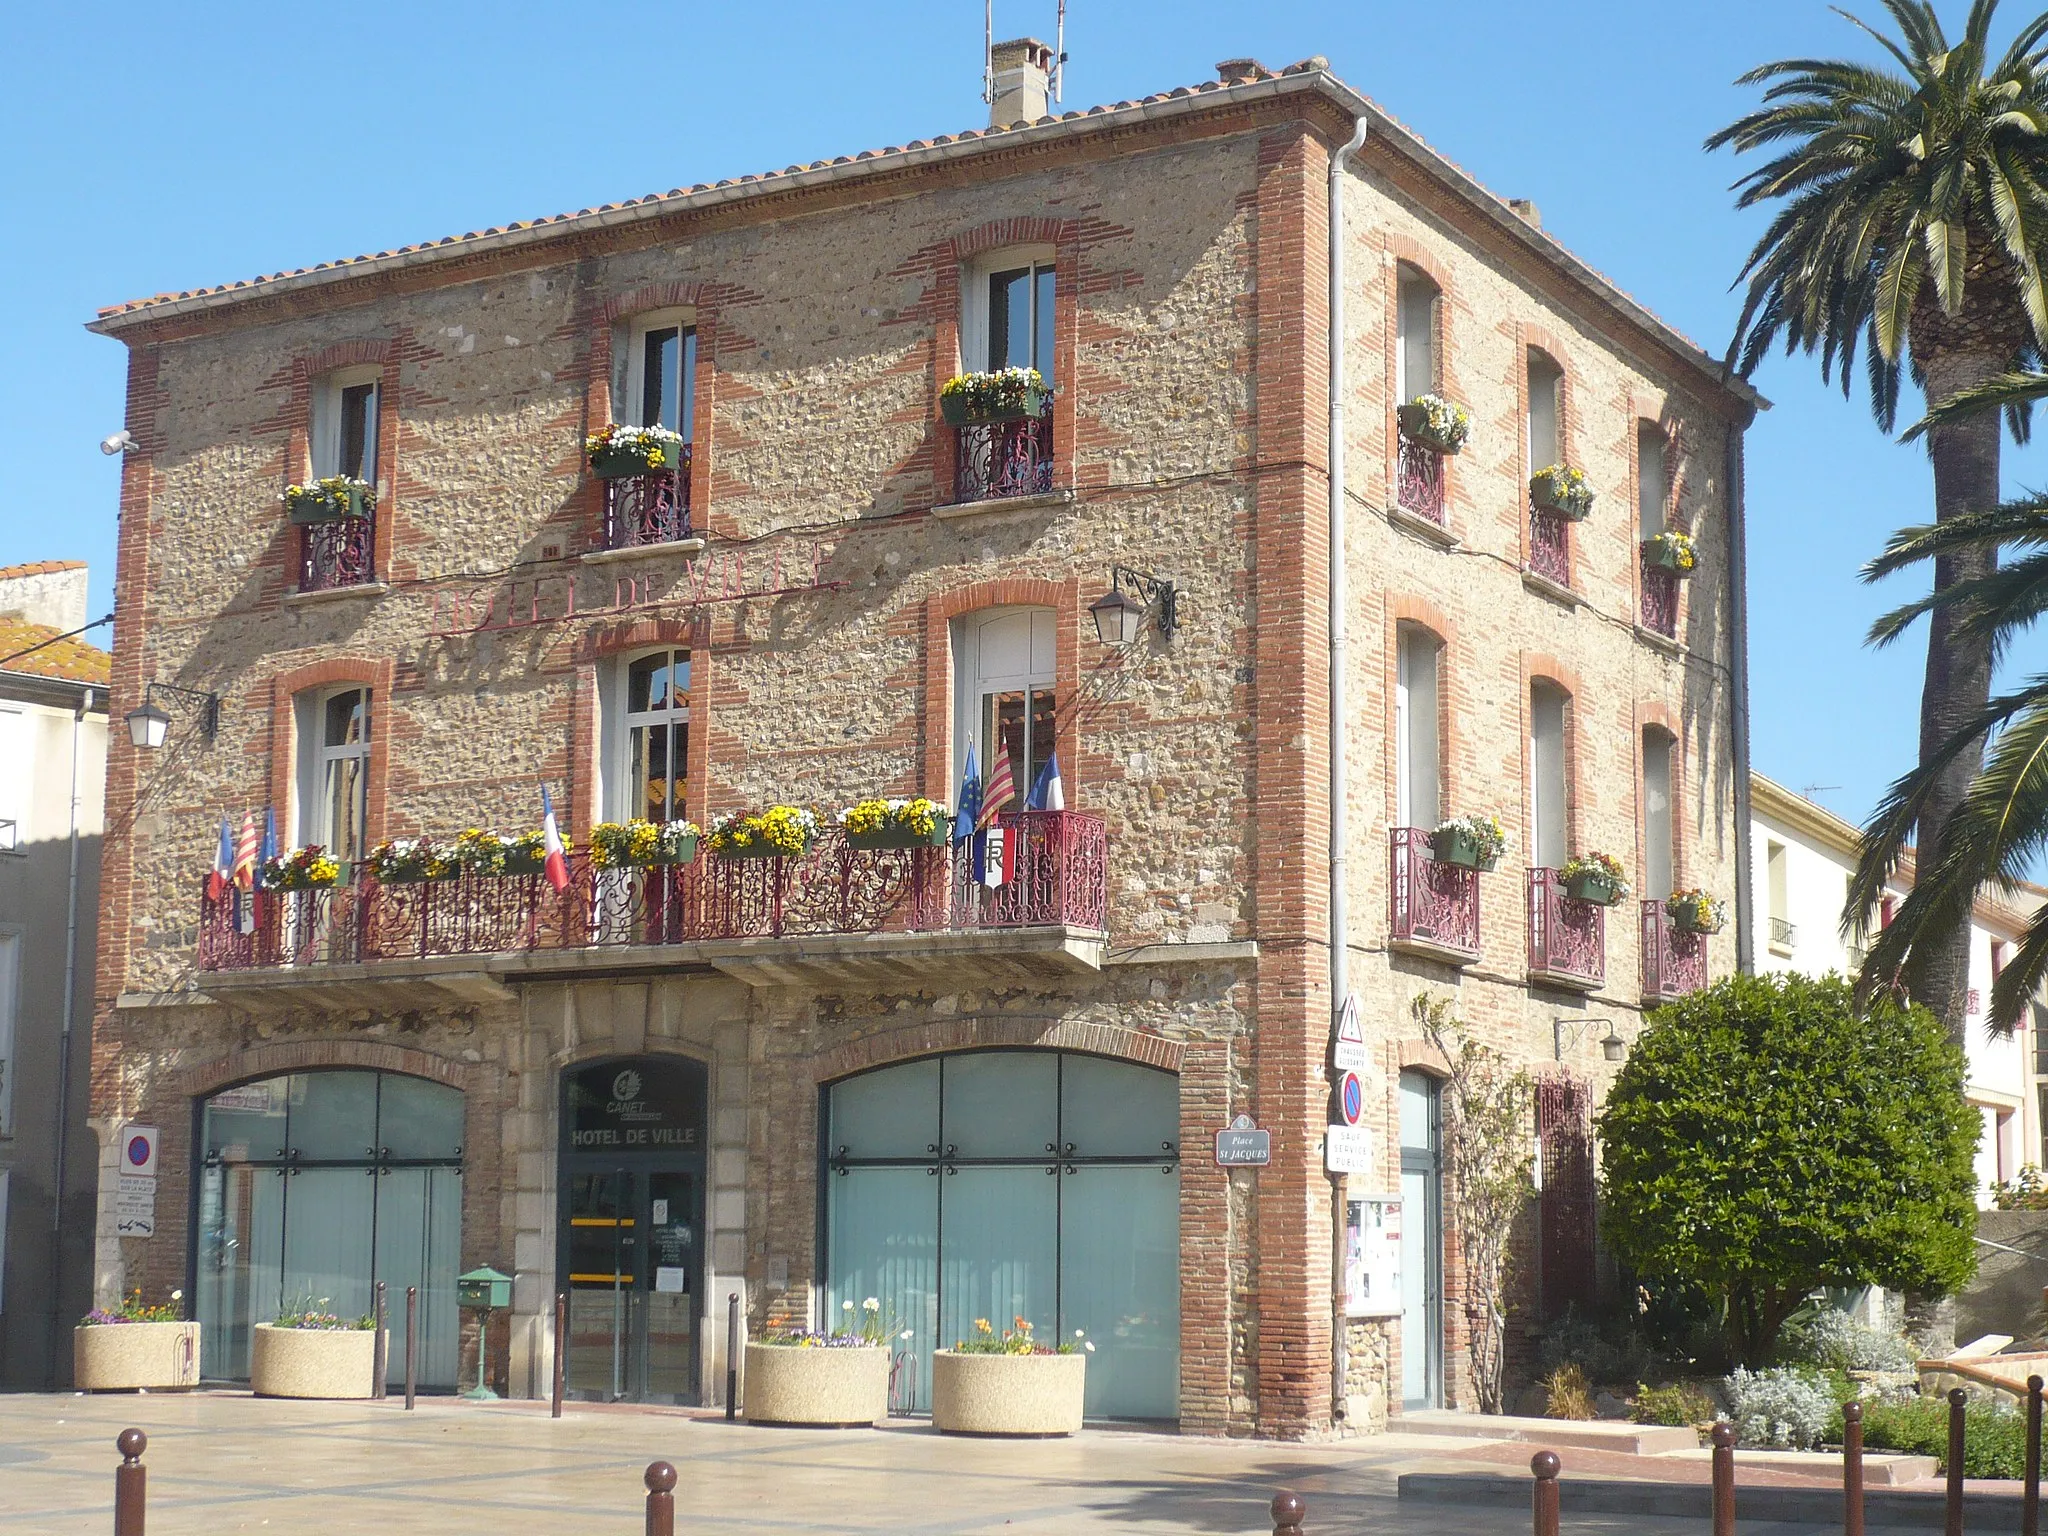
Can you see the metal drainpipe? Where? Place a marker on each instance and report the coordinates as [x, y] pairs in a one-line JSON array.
[[1738, 617], [58, 1169], [1340, 831]]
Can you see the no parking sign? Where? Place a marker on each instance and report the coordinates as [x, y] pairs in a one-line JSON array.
[[138, 1151]]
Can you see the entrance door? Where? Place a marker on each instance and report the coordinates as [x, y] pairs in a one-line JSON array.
[[1422, 1249]]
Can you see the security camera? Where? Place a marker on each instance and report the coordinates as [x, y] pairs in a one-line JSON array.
[[122, 441]]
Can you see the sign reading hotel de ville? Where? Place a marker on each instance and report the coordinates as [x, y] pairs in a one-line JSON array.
[[1243, 1145], [638, 1106]]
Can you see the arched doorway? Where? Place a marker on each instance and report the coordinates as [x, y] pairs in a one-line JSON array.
[[312, 1188], [1013, 1183], [631, 1249]]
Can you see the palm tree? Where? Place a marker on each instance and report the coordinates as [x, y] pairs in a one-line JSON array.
[[1911, 207]]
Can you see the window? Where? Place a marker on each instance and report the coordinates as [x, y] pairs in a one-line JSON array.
[[1778, 897], [334, 770], [1548, 815], [344, 436], [660, 365], [1004, 667], [1415, 299], [10, 974], [1658, 856], [1546, 390], [1417, 754], [1653, 479], [648, 756], [1009, 318]]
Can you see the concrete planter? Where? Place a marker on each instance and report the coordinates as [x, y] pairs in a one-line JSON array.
[[1007, 1394], [135, 1357], [822, 1388], [313, 1362]]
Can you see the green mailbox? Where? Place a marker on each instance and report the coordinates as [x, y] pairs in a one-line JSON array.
[[484, 1289]]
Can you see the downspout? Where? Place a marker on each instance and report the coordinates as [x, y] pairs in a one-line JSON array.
[[1738, 616], [1340, 828], [59, 1160]]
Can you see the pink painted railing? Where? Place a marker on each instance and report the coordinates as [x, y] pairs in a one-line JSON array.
[[1567, 937], [1660, 598], [1419, 483], [1674, 961], [1004, 458], [338, 554], [1550, 546], [1061, 877], [1433, 903], [654, 508]]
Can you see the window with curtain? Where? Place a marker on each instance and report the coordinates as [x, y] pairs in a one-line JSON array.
[[1658, 824], [344, 435], [1415, 327], [651, 749], [1653, 478], [1417, 751], [1546, 386], [1548, 813], [1005, 693], [334, 770]]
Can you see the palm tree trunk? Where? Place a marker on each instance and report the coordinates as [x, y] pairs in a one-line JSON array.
[[1958, 679]]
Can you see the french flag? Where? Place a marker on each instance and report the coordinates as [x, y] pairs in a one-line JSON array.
[[555, 864], [218, 878], [1048, 794]]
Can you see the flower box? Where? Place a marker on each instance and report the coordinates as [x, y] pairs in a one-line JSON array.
[[977, 1394], [1455, 845], [1590, 885], [624, 463], [903, 837], [328, 502], [1671, 552], [1443, 430], [763, 851], [960, 411], [821, 1388], [1561, 490], [417, 877], [1694, 914], [135, 1357], [524, 861], [313, 1362]]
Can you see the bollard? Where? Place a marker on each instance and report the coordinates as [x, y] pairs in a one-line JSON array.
[[1724, 1480], [561, 1329], [661, 1499], [1544, 1498], [1287, 1512], [131, 1483], [382, 1369], [1956, 1398], [732, 1356], [412, 1334], [1852, 1469], [2030, 1491]]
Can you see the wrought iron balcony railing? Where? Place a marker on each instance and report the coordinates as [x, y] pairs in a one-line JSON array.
[[1784, 933], [1550, 546], [1419, 480], [1061, 879], [649, 509], [1434, 904], [1660, 598], [1674, 961], [1004, 458], [1567, 937], [338, 554]]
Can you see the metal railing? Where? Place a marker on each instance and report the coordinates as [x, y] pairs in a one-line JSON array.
[[649, 509], [1550, 546], [1659, 610], [1674, 961], [1783, 932], [1567, 937], [1004, 458], [338, 554], [10, 835], [1419, 480], [1434, 903], [1061, 877]]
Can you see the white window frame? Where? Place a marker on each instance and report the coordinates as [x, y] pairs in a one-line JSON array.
[[974, 314], [1537, 362], [309, 814], [324, 443], [1651, 516], [1411, 280], [1417, 733], [1660, 823], [623, 800], [1547, 763], [629, 367], [971, 686]]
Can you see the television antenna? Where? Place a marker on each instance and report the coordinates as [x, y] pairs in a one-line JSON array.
[[988, 52]]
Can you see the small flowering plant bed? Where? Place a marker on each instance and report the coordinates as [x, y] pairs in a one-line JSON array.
[[307, 1351], [1556, 488], [831, 1380], [642, 844], [131, 1308], [1019, 1339], [1010, 1383], [408, 860], [1475, 842], [780, 832], [135, 1346], [303, 869], [1594, 876], [527, 852], [331, 499], [1007, 394], [1694, 911], [1672, 551], [1436, 422], [618, 451], [312, 1314], [478, 852], [918, 823]]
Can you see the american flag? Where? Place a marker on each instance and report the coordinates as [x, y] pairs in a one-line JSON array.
[[1001, 790], [244, 875]]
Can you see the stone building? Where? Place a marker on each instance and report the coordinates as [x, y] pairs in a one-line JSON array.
[[855, 1073]]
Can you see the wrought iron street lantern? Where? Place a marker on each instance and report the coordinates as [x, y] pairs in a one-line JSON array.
[[1120, 612]]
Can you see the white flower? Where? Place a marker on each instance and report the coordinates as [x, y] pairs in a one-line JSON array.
[[1079, 1334], [1089, 1346], [871, 1305], [904, 1334], [846, 1306]]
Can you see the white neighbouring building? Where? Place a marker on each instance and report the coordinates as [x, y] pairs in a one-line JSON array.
[[1803, 857]]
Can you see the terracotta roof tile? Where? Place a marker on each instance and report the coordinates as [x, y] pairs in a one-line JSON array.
[[39, 568], [72, 660]]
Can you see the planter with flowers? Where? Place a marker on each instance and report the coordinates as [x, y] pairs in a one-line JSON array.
[[780, 832], [477, 852], [619, 451], [332, 499], [1594, 877], [309, 1352], [643, 844], [978, 399], [303, 869], [1671, 551], [823, 1380], [1564, 491], [131, 1347], [1694, 911], [1475, 842], [1436, 423], [918, 823], [409, 860], [1009, 1383], [527, 853]]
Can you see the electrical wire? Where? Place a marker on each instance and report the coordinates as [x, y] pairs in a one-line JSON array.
[[69, 634]]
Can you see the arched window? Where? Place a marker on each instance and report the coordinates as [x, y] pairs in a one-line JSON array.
[[1415, 320], [1653, 478], [1005, 700], [654, 371], [1546, 411], [647, 747], [1007, 311], [1659, 824], [344, 435], [334, 769], [1549, 780], [1418, 753]]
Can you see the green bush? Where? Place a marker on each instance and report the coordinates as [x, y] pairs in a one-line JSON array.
[[1769, 1137], [1681, 1404], [1994, 1435]]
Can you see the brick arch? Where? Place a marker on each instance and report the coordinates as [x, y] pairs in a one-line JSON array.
[[666, 295], [1408, 608], [997, 233], [584, 1055], [344, 354], [1407, 250], [611, 639], [1654, 714], [376, 673], [948, 1035], [278, 1059], [1539, 667], [593, 649], [1064, 599]]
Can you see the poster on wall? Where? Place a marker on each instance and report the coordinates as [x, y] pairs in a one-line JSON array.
[[1372, 1258]]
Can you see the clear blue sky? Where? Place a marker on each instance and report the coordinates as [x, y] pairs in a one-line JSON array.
[[156, 147]]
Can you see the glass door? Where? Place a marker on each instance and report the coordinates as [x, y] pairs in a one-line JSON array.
[[603, 1247], [1422, 1282], [635, 1271]]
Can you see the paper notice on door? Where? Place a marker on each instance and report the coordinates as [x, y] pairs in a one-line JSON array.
[[661, 1213], [669, 1278]]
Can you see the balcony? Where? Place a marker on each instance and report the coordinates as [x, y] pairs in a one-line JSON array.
[[1419, 481], [1660, 598], [1567, 937], [1435, 905], [338, 555], [835, 915], [1000, 459], [1674, 961], [643, 511], [1550, 547]]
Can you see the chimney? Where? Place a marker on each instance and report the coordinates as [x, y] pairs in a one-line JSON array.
[[1021, 72], [1528, 210]]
